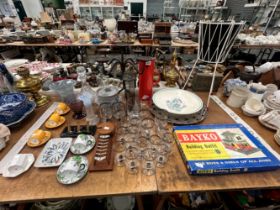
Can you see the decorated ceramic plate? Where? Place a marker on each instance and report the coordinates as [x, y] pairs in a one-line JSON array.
[[37, 143], [176, 101], [53, 153], [67, 178], [50, 125], [29, 159], [30, 108], [83, 144]]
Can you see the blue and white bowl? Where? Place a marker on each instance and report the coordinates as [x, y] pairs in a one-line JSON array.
[[12, 107]]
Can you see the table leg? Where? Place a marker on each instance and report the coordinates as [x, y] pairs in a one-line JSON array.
[[139, 202], [159, 202]]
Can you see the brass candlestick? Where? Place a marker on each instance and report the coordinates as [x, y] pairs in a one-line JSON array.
[[31, 86]]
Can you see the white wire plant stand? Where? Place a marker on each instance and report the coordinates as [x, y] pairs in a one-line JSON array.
[[215, 42]]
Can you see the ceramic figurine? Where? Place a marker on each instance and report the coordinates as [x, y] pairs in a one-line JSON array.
[[4, 136]]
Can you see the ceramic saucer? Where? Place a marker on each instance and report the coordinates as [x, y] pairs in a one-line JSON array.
[[249, 113], [29, 161], [80, 174], [37, 143], [64, 112], [61, 121], [89, 141], [277, 139], [263, 122]]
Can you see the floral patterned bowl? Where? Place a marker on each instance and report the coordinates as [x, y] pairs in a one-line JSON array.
[[12, 107]]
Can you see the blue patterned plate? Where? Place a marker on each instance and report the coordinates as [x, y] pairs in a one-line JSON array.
[[31, 105]]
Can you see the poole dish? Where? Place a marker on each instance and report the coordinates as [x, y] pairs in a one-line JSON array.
[[176, 101], [18, 165], [54, 121], [53, 153], [83, 144], [72, 170], [38, 138]]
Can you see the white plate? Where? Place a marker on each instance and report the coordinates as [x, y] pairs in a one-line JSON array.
[[53, 153], [30, 160], [177, 101], [79, 175], [15, 63], [263, 122], [79, 151]]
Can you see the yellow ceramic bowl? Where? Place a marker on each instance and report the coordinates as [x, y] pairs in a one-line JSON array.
[[38, 138]]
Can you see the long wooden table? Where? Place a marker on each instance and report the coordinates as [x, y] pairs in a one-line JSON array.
[[102, 44], [41, 184]]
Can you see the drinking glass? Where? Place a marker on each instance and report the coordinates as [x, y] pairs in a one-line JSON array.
[[106, 111], [120, 159], [119, 111]]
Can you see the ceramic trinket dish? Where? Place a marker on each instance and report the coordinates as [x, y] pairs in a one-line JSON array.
[[53, 153], [82, 144], [72, 170], [62, 109], [38, 138], [55, 121], [18, 165]]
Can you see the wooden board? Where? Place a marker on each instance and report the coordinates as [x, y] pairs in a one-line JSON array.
[[41, 183], [174, 177]]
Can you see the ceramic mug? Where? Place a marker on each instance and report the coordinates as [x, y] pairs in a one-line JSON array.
[[72, 167], [81, 143], [17, 164], [238, 97], [37, 136], [61, 108]]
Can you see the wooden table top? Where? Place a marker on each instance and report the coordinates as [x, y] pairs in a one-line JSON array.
[[174, 177], [41, 183]]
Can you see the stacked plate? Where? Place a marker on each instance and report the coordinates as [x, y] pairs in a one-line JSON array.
[[270, 103], [183, 107], [271, 119], [14, 107], [277, 136]]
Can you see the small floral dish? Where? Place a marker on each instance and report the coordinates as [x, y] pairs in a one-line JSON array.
[[55, 121], [38, 138], [18, 165], [53, 153], [72, 170], [62, 109], [83, 144]]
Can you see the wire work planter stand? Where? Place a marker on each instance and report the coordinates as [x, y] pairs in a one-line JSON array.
[[215, 42]]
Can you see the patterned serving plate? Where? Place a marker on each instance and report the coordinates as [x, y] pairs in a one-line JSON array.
[[80, 160], [53, 153], [30, 108], [178, 102]]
